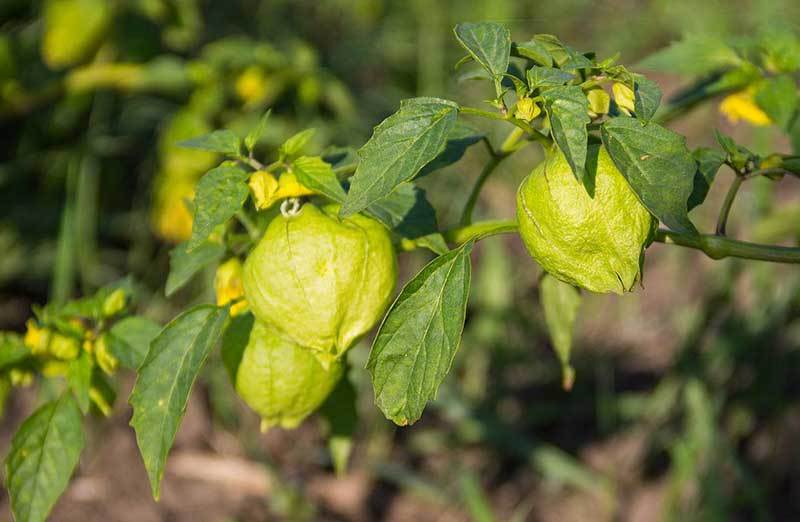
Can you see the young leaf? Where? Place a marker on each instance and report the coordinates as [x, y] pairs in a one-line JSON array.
[[399, 147], [708, 162], [647, 97], [254, 135], [317, 175], [547, 77], [79, 377], [165, 379], [778, 98], [658, 166], [294, 145], [43, 455], [568, 110], [418, 339], [130, 338], [560, 303], [222, 141], [183, 264], [220, 193], [488, 43], [339, 410]]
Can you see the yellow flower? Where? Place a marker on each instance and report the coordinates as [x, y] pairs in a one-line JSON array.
[[267, 190], [527, 110], [599, 102], [741, 106], [228, 285], [36, 337], [624, 97]]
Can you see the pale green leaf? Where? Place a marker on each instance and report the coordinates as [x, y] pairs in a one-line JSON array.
[[317, 175], [547, 77], [255, 134], [130, 338], [222, 141], [295, 145], [560, 302], [79, 377], [183, 264]]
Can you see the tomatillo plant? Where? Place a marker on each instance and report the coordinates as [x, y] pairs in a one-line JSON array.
[[309, 244]]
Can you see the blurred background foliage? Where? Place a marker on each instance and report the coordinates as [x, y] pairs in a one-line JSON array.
[[685, 404]]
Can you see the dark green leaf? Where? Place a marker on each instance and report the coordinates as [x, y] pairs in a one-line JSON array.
[[222, 141], [534, 50], [79, 377], [254, 135], [460, 137], [183, 265], [708, 162], [418, 339], [220, 193], [406, 211], [547, 77], [43, 455], [165, 379], [398, 149], [568, 110], [341, 157], [339, 410], [576, 61], [130, 338], [560, 303], [234, 341], [778, 98], [488, 43], [658, 166], [12, 349], [647, 97], [317, 175]]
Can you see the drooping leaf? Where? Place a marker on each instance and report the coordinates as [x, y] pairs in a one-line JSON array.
[[79, 377], [647, 97], [547, 77], [220, 193], [165, 379], [183, 264], [222, 141], [560, 303], [779, 99], [398, 149], [43, 455], [488, 43], [317, 175], [658, 166], [568, 110], [339, 410], [418, 339], [708, 162], [130, 338]]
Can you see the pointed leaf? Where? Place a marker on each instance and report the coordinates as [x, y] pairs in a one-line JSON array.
[[183, 264], [220, 193], [418, 339], [560, 303], [406, 211], [399, 147], [222, 141], [488, 43], [658, 166], [254, 135], [547, 77], [294, 145], [130, 338], [314, 173], [568, 110], [165, 379], [43, 455], [647, 97], [708, 162], [460, 137]]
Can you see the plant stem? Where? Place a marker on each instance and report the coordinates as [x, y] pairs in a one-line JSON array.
[[715, 247], [725, 210], [509, 146], [532, 133], [247, 223]]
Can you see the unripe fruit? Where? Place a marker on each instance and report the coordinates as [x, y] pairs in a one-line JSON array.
[[321, 280], [595, 242], [281, 381]]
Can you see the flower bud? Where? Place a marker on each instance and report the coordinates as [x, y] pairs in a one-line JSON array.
[[625, 97], [228, 285], [526, 109]]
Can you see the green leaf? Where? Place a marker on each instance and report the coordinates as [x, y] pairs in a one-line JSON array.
[[317, 175], [460, 137], [547, 77], [398, 149], [294, 145], [341, 157], [560, 303], [647, 97], [534, 50], [568, 110], [418, 339], [220, 193], [488, 43], [234, 341], [778, 98], [130, 338], [406, 211], [43, 455], [708, 162], [79, 377], [254, 135], [165, 379], [222, 141], [658, 166], [183, 265], [695, 55], [12, 349], [339, 410]]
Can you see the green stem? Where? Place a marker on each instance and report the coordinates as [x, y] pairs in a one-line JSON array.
[[725, 210], [509, 146], [247, 223], [715, 247], [533, 134]]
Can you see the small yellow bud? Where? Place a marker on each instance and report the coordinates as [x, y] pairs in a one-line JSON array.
[[741, 106], [624, 97], [526, 109], [64, 347], [105, 359], [228, 285], [115, 303], [20, 377], [599, 102], [36, 337]]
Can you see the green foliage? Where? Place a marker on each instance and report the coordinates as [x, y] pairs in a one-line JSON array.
[[567, 109], [560, 304], [220, 193]]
